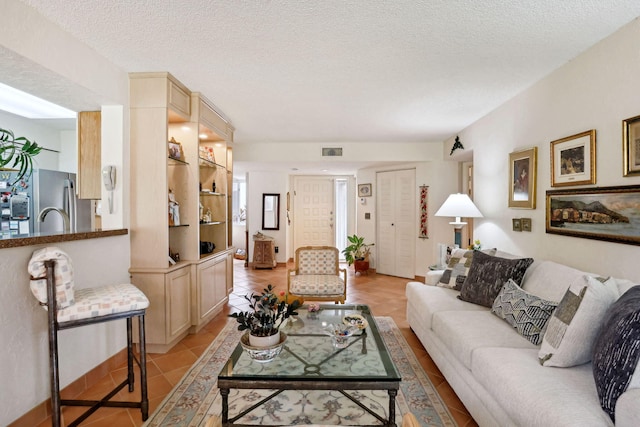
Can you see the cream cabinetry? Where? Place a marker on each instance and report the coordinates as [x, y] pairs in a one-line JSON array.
[[210, 288], [164, 110], [168, 317]]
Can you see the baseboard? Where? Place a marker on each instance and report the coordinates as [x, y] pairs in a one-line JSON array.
[[42, 411]]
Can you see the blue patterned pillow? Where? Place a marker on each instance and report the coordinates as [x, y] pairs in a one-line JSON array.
[[616, 353], [527, 313]]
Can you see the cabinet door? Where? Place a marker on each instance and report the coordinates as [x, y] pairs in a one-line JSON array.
[[212, 283], [178, 304], [89, 157]]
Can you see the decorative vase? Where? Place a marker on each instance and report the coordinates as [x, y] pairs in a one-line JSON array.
[[361, 266], [270, 341], [263, 354]]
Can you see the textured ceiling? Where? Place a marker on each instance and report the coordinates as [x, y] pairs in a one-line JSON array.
[[341, 71]]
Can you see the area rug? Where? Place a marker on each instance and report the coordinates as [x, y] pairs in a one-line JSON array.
[[196, 397]]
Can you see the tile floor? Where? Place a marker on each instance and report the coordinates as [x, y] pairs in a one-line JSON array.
[[384, 294]]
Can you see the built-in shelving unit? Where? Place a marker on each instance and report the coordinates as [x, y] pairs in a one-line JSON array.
[[186, 294]]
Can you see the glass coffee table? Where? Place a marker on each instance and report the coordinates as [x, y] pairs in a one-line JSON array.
[[311, 361]]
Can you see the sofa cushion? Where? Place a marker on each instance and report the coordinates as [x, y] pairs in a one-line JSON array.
[[427, 300], [458, 268], [488, 274], [616, 352], [574, 325], [527, 313], [533, 396], [463, 332]]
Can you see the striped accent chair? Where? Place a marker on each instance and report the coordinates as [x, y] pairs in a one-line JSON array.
[[317, 275]]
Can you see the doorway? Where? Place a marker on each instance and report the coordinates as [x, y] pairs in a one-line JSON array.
[[321, 211], [396, 225]]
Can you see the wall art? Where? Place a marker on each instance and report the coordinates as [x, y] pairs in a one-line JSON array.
[[364, 190], [631, 146], [522, 178], [573, 160], [604, 213]]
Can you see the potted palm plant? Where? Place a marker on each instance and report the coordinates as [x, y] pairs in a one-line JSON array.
[[17, 153], [263, 321], [357, 253]]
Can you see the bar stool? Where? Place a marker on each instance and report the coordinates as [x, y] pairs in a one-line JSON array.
[[68, 308]]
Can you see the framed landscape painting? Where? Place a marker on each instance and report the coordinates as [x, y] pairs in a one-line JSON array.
[[573, 160], [604, 213], [522, 178], [631, 146]]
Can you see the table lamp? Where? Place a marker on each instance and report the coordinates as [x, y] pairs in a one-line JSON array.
[[459, 206]]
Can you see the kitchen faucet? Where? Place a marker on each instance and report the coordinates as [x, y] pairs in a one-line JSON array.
[[65, 217]]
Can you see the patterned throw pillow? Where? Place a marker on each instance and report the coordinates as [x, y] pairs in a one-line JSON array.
[[527, 313], [458, 268], [616, 353], [487, 276], [574, 325]]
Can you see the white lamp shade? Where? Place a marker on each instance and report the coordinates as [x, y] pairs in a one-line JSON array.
[[460, 206]]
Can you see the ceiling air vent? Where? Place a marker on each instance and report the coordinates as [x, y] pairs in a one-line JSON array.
[[331, 152]]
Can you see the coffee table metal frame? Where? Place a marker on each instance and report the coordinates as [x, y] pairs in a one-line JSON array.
[[391, 382]]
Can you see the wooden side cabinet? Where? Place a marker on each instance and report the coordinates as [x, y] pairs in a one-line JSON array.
[[264, 254]]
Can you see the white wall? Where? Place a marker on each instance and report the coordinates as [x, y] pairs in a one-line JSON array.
[[596, 90], [26, 43]]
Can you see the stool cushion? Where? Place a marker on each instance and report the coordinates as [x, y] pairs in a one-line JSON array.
[[62, 275], [104, 300]]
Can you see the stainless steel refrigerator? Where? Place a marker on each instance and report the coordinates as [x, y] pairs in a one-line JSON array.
[[58, 189]]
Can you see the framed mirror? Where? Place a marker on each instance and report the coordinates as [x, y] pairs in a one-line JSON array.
[[270, 211]]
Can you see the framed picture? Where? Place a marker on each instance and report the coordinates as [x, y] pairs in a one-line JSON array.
[[603, 213], [631, 146], [573, 160], [364, 190], [522, 178], [526, 224], [517, 225], [175, 150]]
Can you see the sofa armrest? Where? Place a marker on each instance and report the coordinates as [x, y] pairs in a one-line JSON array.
[[433, 277], [628, 408]]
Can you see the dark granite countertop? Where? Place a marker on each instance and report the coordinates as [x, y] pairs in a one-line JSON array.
[[39, 238]]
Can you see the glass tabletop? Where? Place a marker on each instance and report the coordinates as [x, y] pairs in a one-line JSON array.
[[309, 353]]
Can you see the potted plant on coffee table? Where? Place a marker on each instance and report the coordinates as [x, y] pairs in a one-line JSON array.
[[262, 322], [357, 253]]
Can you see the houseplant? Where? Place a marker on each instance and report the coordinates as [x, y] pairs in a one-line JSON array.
[[17, 153], [357, 253], [265, 317]]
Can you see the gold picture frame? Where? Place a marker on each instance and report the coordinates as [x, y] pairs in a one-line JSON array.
[[522, 178], [573, 160], [631, 146]]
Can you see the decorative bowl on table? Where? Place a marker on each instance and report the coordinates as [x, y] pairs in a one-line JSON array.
[[262, 354], [340, 334], [356, 320]]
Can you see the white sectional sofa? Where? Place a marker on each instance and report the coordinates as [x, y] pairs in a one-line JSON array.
[[496, 372]]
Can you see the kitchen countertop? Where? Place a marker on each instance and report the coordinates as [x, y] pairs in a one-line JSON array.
[[41, 238]]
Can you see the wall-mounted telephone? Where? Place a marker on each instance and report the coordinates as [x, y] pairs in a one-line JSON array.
[[109, 177], [109, 180]]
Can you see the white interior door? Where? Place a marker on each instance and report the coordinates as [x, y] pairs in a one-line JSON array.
[[396, 225], [313, 212]]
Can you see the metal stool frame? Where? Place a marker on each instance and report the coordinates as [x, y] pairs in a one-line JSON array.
[[94, 405]]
